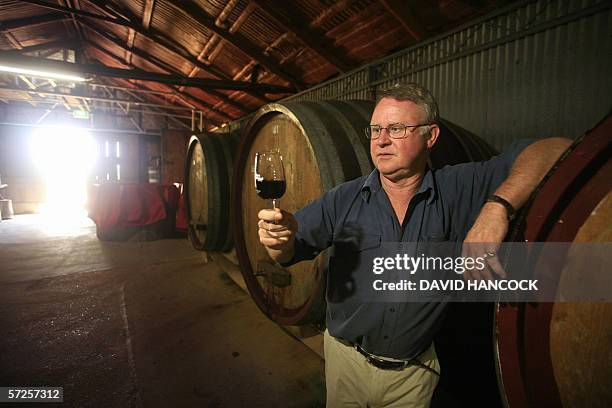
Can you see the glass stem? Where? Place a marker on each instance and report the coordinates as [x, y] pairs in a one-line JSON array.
[[274, 203]]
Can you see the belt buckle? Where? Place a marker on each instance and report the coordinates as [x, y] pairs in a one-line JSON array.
[[391, 365], [386, 365], [380, 363]]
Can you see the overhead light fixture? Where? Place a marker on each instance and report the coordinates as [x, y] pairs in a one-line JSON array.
[[43, 74]]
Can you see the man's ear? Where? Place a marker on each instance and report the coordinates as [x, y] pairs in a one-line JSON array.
[[434, 132]]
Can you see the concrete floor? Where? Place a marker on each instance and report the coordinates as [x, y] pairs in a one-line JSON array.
[[139, 324]]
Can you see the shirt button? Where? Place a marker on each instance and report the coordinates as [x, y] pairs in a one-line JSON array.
[[392, 310]]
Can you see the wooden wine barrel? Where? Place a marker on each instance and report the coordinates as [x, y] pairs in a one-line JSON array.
[[323, 145], [560, 354], [208, 173]]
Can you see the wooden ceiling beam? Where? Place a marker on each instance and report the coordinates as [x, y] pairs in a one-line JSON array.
[[11, 38], [312, 39], [172, 46], [163, 66], [130, 42], [173, 89], [146, 22], [147, 13], [215, 43], [192, 10], [406, 17], [102, 70]]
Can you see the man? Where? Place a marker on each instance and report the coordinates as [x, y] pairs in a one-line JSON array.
[[381, 354]]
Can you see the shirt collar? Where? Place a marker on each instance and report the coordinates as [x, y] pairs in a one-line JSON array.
[[372, 185]]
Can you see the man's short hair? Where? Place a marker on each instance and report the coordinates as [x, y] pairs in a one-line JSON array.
[[415, 93]]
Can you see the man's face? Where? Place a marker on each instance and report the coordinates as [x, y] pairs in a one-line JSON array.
[[399, 158]]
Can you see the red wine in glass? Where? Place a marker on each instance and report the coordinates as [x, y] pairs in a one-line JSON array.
[[270, 189], [270, 175]]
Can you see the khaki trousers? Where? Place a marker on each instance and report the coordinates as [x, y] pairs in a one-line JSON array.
[[353, 382]]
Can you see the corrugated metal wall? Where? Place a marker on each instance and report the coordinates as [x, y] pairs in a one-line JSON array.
[[536, 69]]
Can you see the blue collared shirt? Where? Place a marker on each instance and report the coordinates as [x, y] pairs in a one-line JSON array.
[[357, 215]]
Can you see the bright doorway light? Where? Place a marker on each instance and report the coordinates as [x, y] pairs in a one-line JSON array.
[[65, 156]]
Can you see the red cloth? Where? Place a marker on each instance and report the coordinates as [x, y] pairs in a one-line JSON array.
[[130, 205]]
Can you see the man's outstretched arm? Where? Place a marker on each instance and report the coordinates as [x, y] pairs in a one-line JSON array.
[[529, 168]]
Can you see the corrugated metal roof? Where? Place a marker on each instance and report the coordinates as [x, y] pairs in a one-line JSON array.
[[354, 31]]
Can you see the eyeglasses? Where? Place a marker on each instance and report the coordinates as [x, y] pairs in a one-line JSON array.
[[395, 130]]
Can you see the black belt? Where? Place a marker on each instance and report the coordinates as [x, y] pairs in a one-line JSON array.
[[386, 364]]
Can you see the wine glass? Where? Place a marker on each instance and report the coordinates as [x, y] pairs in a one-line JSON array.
[[269, 175]]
